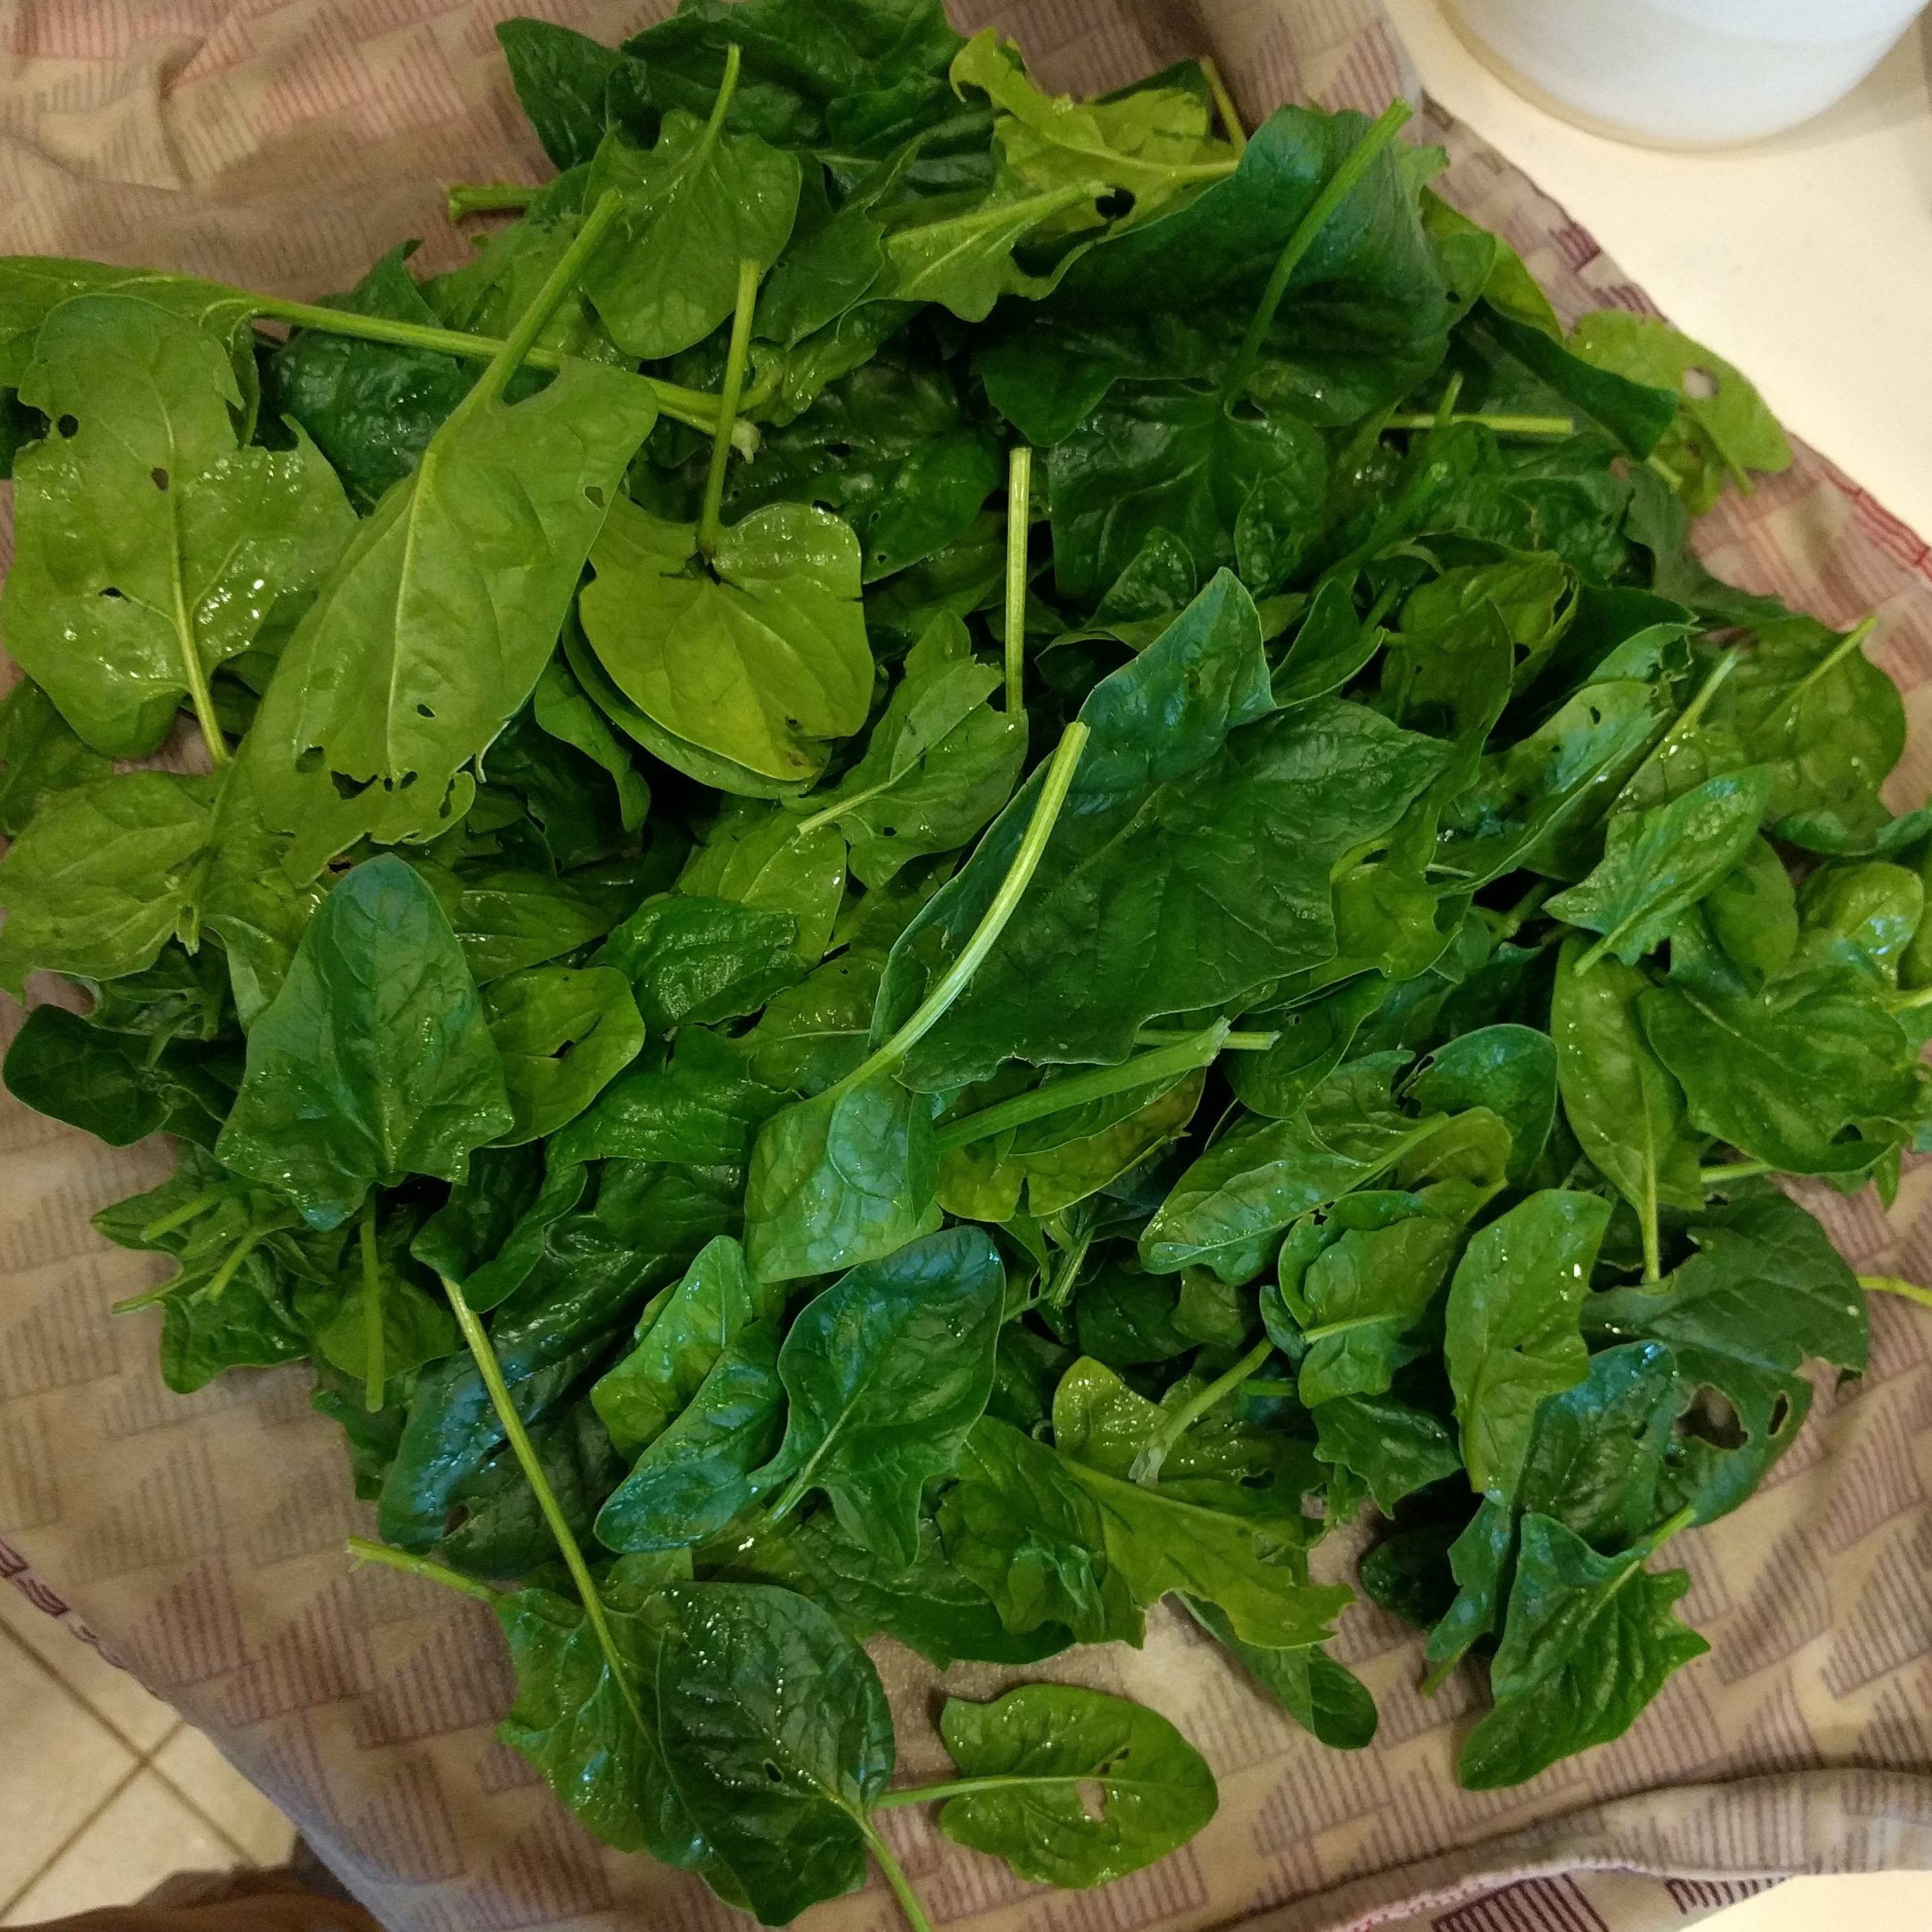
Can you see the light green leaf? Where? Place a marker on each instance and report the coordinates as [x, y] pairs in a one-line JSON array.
[[565, 1033]]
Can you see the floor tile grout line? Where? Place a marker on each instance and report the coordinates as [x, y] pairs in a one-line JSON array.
[[100, 1717], [73, 1838], [202, 1812]]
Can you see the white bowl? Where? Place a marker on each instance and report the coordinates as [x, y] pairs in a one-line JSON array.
[[1684, 73]]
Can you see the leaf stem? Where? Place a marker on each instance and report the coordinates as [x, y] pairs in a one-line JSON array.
[[1235, 1042], [1224, 105], [1340, 185], [373, 1375], [190, 1209], [735, 359], [1890, 1284], [1146, 1470], [969, 1787], [218, 1282], [1060, 1291], [1019, 499], [364, 1551], [896, 1877], [489, 198], [1513, 922], [1057, 1096], [491, 1370], [693, 407], [1054, 787], [489, 386], [1736, 1170], [1503, 425]]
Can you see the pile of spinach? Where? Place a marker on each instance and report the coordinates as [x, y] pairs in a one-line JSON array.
[[964, 856]]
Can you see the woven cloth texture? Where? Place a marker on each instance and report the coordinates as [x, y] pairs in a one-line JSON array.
[[283, 145]]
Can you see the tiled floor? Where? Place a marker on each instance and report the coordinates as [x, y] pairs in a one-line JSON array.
[[104, 1790]]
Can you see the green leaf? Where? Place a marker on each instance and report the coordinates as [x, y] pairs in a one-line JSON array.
[[1512, 1337], [149, 547], [964, 262], [1765, 1292], [565, 1033], [1243, 490], [850, 1175], [1510, 1070], [1037, 1746], [432, 631], [1722, 428], [1395, 1448], [1142, 904], [1752, 911], [1659, 863], [697, 960], [1361, 1294], [575, 1722], [1326, 1699], [929, 1606], [109, 1084], [939, 762], [757, 855], [1808, 702], [699, 1471], [105, 876], [696, 204], [761, 658], [416, 1325], [715, 1299], [373, 1061], [813, 1035], [1862, 916], [703, 1110], [777, 1733], [571, 87], [1588, 1642], [1262, 1175], [1622, 1104], [1783, 1075], [42, 756], [886, 1371]]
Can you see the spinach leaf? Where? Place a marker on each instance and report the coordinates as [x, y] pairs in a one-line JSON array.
[[435, 625], [112, 1085], [572, 88], [1588, 1641], [42, 755], [1394, 1447], [374, 1061], [939, 762], [1326, 1699], [1622, 1104], [1510, 1070], [149, 547], [1359, 1297], [1661, 861], [1032, 1749], [1144, 905], [761, 658], [699, 1471], [576, 1723], [703, 1110], [775, 1730], [683, 1343], [1512, 1332], [696, 203], [105, 876], [564, 1033], [886, 1371], [697, 961]]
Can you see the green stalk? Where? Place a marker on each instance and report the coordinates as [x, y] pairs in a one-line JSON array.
[[520, 1447], [1224, 105], [1060, 1291], [1057, 1096], [1503, 425], [967, 1787], [693, 407], [363, 1550], [1657, 466], [1737, 1170], [1146, 1470], [179, 1217], [1019, 498], [1513, 922], [1890, 1284], [736, 357], [232, 1266], [896, 1877], [1340, 185], [1235, 1042], [489, 198], [373, 1376], [1019, 875]]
